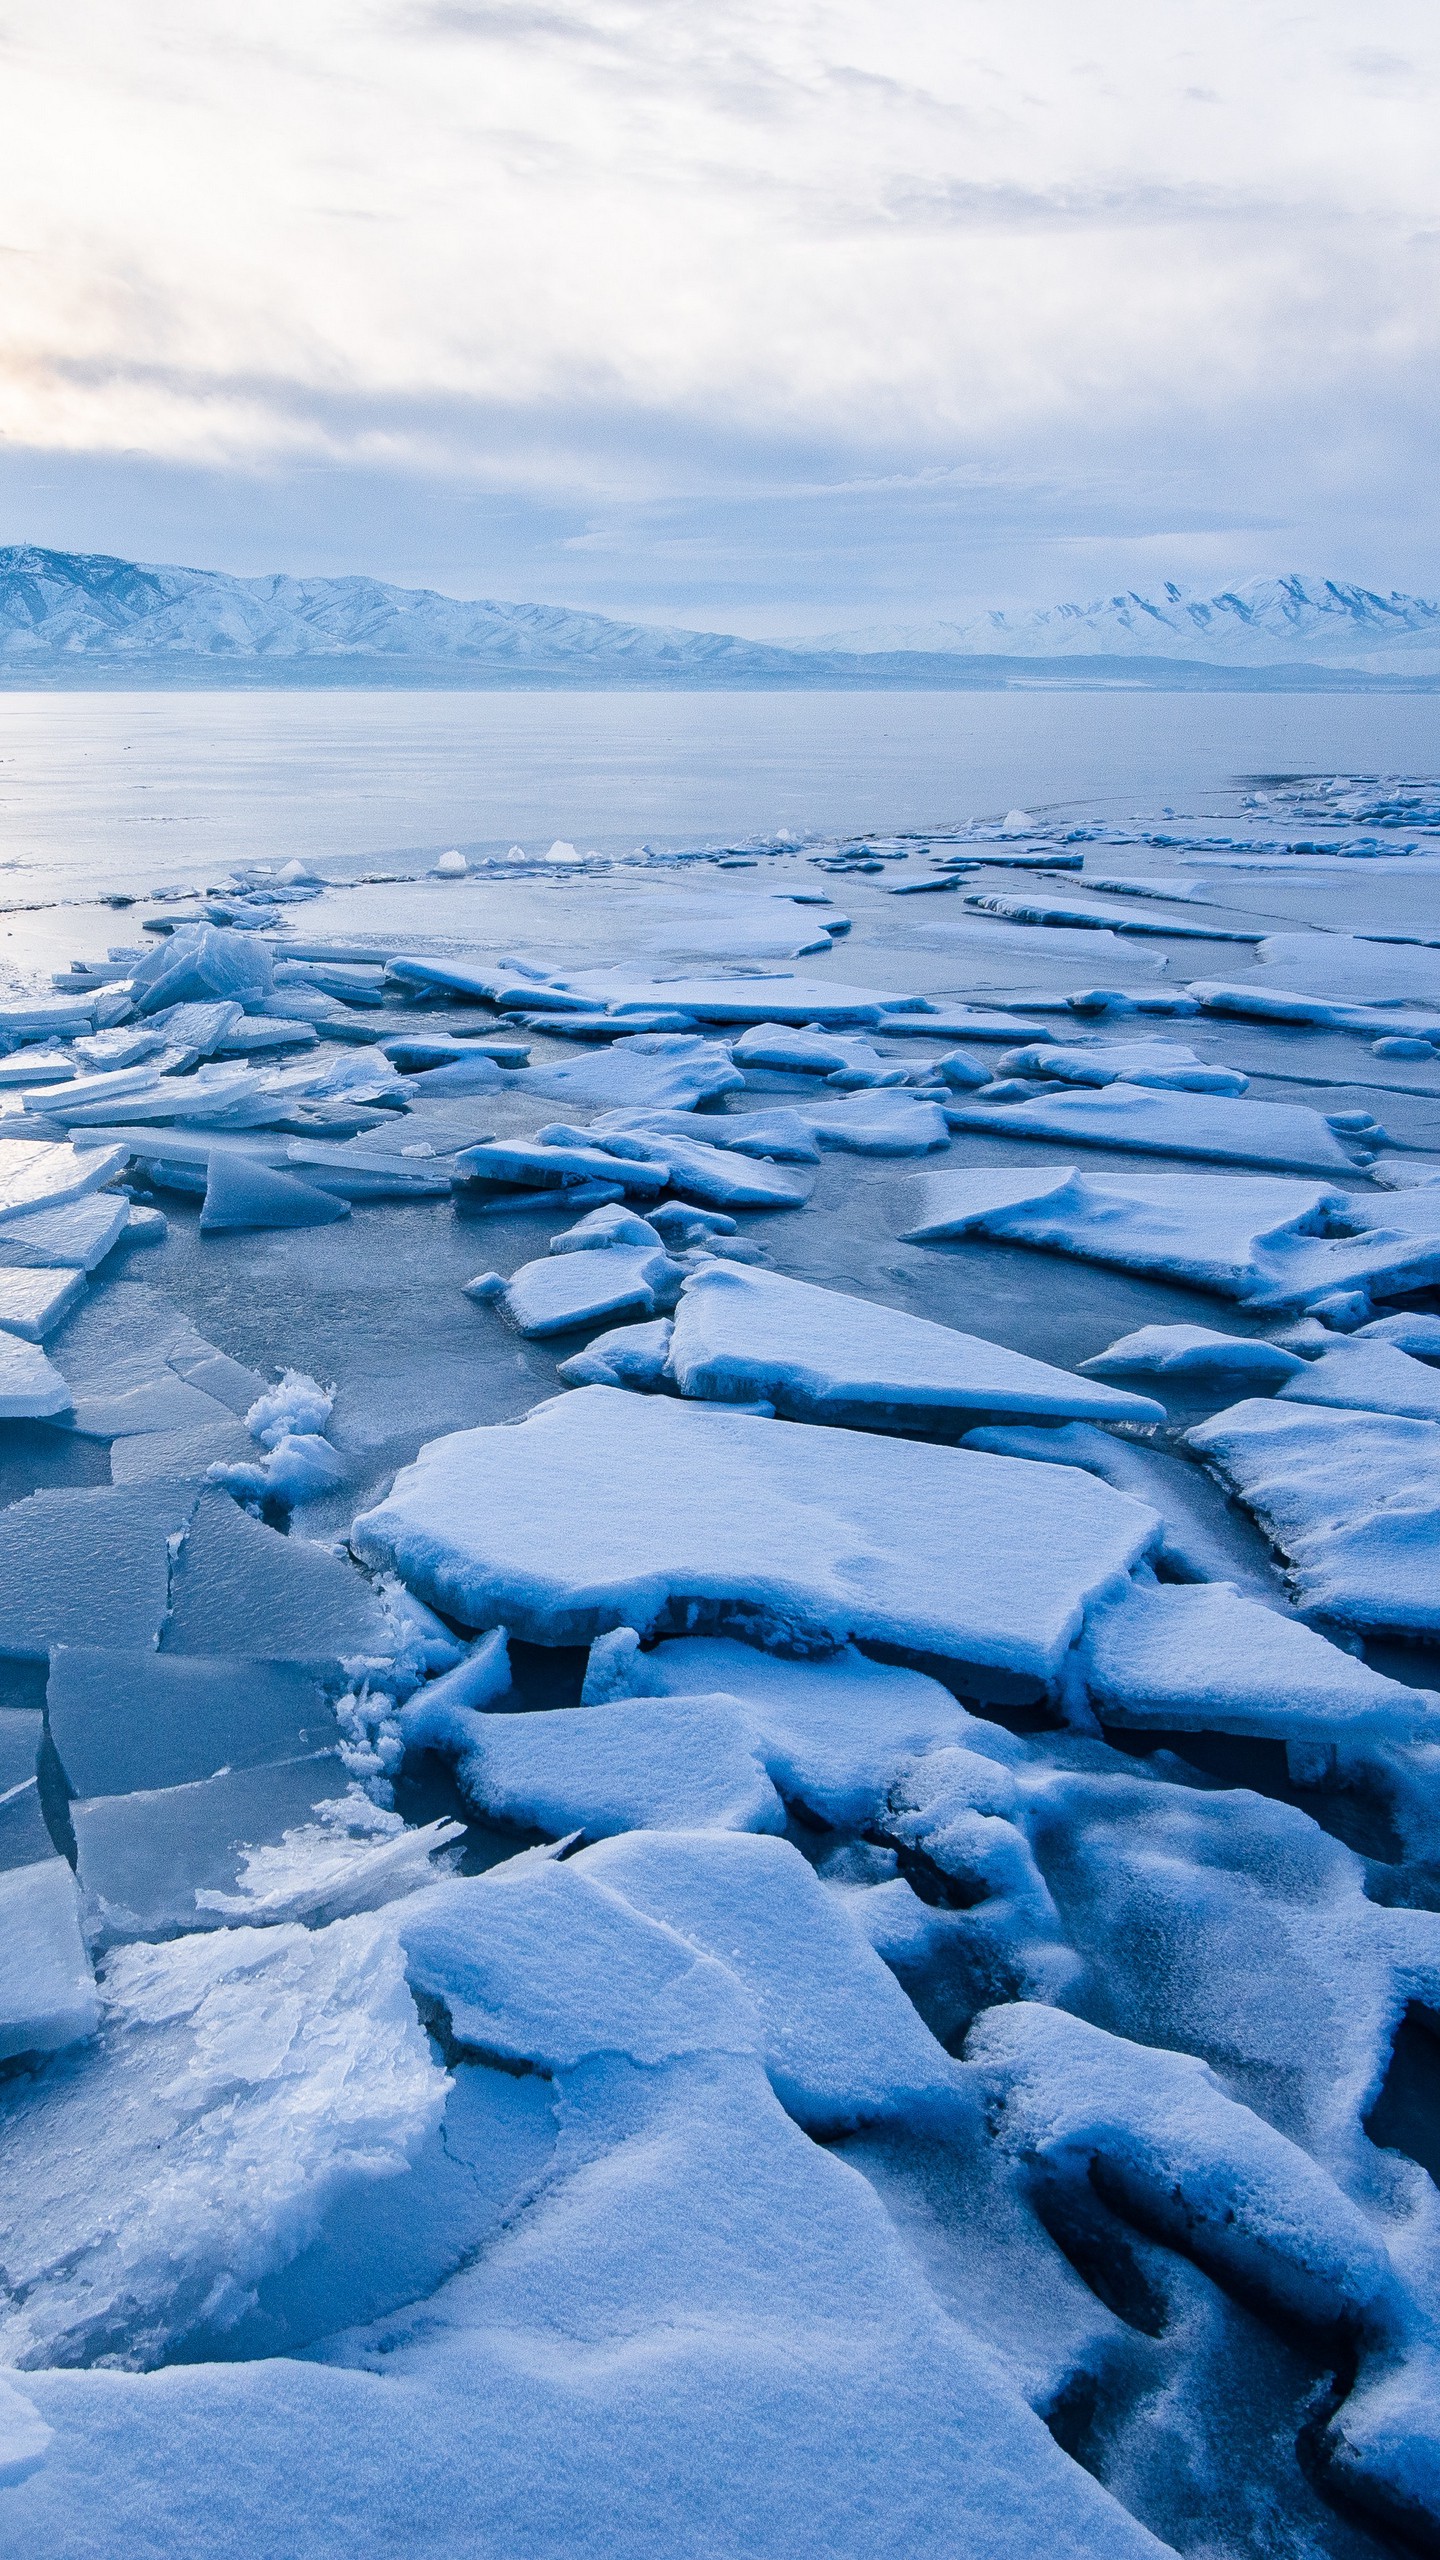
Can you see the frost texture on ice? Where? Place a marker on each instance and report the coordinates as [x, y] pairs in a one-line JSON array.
[[686, 1518], [820, 1355], [127, 1720]]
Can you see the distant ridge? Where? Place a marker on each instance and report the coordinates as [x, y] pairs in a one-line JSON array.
[[1267, 622], [85, 619]]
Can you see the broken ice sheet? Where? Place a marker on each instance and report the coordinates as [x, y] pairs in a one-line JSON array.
[[123, 1721], [1351, 1499], [821, 1355], [562, 1291], [685, 1517], [1131, 1117]]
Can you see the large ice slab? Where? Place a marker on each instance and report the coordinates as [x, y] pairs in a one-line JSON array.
[[604, 1509], [1263, 1241], [1204, 1659], [123, 1720], [1352, 971], [1351, 1499], [1205, 1126], [820, 1355], [47, 1990], [1203, 1538]]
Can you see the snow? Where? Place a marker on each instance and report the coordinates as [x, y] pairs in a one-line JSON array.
[[1193, 1351], [1202, 1538], [821, 1355], [1351, 1499], [684, 1515], [1162, 1064], [1283, 1134]]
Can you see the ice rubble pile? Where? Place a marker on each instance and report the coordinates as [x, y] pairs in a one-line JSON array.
[[884, 2084]]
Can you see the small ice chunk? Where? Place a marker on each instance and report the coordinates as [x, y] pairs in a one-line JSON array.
[[1400, 1047], [33, 1302], [301, 1467], [631, 1355], [821, 1355], [47, 1990], [1192, 1351], [298, 1403], [612, 1224], [452, 865], [670, 1071], [678, 1513], [566, 1290]]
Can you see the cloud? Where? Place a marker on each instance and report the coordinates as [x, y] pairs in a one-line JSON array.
[[623, 264]]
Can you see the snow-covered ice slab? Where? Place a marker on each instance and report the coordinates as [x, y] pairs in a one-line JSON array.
[[1255, 1000], [1352, 971], [888, 1123], [122, 1721], [1371, 1377], [1034, 908], [1194, 1351], [772, 997], [604, 1509], [1205, 1659], [1264, 1242], [30, 1385], [1162, 1064], [1352, 1500], [633, 1355], [819, 1355], [38, 1174], [1217, 1127], [832, 1734], [33, 1302], [544, 1164], [47, 1990], [1202, 1537], [564, 1290], [671, 1073], [842, 2044], [701, 1166], [986, 953], [633, 1764]]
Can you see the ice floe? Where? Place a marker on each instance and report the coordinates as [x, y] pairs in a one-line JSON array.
[[1193, 1351], [1216, 1127], [821, 1355], [1351, 1499], [691, 1518]]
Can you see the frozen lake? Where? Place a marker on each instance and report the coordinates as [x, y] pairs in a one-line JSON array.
[[719, 1644], [118, 790]]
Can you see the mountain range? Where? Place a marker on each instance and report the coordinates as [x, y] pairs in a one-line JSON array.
[[83, 618]]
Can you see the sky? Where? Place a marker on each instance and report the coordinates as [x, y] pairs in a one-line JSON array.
[[781, 318]]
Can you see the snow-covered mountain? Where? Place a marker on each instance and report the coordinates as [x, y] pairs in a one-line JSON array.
[[1267, 622], [83, 617], [62, 606]]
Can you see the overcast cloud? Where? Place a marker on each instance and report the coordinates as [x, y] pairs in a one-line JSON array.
[[770, 317]]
